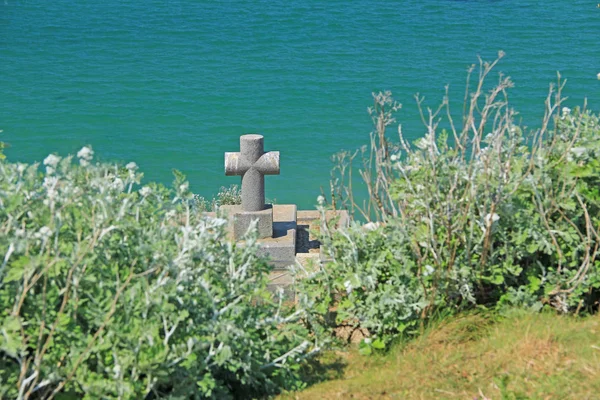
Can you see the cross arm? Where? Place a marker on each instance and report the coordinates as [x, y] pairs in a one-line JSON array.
[[235, 164], [268, 163]]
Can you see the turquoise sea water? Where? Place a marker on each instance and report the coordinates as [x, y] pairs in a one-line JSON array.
[[172, 84]]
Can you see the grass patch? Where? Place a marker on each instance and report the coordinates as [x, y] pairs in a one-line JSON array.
[[522, 356]]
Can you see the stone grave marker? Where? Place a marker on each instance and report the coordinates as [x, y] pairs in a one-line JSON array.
[[281, 238], [252, 163]]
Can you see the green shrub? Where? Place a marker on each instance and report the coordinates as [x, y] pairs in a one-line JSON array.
[[481, 215], [2, 147], [231, 195], [107, 291]]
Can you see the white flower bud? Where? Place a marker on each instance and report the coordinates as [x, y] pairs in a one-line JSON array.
[[145, 191], [51, 160], [371, 226], [170, 214], [578, 151], [491, 217], [44, 232], [118, 185], [85, 153], [348, 286], [428, 270]]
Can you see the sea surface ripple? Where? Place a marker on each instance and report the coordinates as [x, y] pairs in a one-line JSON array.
[[172, 84]]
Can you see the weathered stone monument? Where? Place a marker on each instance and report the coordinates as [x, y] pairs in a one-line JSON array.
[[281, 238], [252, 163]]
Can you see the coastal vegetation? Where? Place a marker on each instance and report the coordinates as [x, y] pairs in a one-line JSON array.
[[483, 213], [111, 288]]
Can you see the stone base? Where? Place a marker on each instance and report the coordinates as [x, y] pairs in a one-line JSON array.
[[311, 220], [243, 219], [281, 248], [293, 241], [282, 280]]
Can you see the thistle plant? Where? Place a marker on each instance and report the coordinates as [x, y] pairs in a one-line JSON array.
[[114, 289]]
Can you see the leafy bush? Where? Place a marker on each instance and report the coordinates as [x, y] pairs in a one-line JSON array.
[[112, 292], [485, 214], [226, 196], [2, 147]]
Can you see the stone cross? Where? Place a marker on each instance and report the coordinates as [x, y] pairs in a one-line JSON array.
[[252, 163]]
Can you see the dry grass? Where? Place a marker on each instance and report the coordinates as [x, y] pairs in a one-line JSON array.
[[521, 357]]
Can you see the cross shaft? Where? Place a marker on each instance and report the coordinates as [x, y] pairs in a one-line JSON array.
[[252, 163]]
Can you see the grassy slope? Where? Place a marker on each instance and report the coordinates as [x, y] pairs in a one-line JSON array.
[[524, 356]]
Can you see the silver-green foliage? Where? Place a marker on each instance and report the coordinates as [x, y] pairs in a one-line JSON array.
[[109, 291], [231, 195], [484, 214]]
